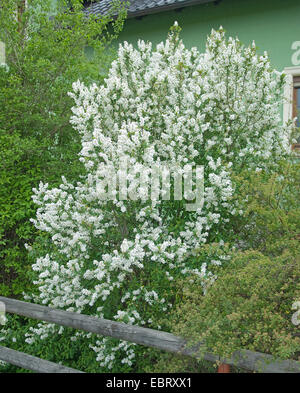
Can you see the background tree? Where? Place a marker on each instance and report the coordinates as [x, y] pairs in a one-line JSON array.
[[48, 46]]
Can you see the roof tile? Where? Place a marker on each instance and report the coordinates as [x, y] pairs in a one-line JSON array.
[[142, 7]]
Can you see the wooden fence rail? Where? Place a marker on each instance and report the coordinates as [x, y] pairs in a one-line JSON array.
[[32, 363], [249, 360]]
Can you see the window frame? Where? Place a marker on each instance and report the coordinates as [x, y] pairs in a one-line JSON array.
[[296, 86], [289, 97]]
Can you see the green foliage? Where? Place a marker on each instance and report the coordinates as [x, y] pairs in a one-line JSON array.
[[270, 201], [166, 363], [18, 174], [71, 354], [46, 51], [249, 306], [250, 303]]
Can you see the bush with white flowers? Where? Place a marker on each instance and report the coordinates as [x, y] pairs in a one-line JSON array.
[[116, 258]]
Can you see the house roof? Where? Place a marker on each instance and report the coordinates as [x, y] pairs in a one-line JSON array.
[[142, 7]]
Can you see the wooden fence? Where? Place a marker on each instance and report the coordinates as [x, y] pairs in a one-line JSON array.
[[244, 359]]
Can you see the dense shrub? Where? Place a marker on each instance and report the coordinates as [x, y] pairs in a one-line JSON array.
[[44, 56], [118, 258], [270, 201], [250, 305], [123, 259]]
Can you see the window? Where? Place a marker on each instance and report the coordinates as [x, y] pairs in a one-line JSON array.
[[296, 99], [291, 108], [296, 107]]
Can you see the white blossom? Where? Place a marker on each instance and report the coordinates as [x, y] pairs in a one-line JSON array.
[[220, 109]]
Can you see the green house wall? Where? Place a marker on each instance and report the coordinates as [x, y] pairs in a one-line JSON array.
[[274, 25]]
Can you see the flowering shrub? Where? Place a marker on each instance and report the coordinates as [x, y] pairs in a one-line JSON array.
[[250, 306], [116, 258], [270, 201], [253, 303], [44, 56]]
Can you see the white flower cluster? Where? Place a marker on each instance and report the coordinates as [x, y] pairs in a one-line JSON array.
[[117, 258]]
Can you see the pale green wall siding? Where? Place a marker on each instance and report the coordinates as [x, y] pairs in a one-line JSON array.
[[273, 24]]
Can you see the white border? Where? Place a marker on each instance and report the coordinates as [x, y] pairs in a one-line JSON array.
[[288, 92]]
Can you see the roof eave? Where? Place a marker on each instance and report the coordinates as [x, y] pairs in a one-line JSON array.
[[164, 8], [171, 7]]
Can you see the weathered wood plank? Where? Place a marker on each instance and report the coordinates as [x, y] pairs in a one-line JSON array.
[[104, 327], [249, 360], [261, 362], [32, 363]]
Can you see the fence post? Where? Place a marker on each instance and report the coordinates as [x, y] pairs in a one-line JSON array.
[[224, 368]]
